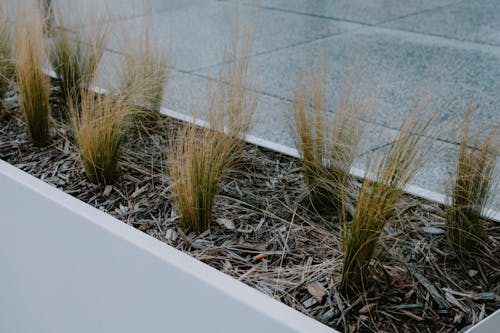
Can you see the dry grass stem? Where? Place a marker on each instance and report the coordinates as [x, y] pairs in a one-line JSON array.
[[198, 161], [231, 105], [145, 69], [7, 68], [100, 125], [76, 51], [33, 84], [471, 188], [328, 148], [201, 158], [381, 191]]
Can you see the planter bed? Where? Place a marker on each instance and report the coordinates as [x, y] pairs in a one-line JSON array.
[[68, 267], [264, 236]]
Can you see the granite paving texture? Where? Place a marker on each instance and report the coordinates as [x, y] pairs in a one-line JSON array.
[[396, 51]]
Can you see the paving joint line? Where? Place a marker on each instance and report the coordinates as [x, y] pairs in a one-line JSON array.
[[310, 41], [331, 18], [448, 38], [376, 148], [420, 12], [285, 99], [379, 24]]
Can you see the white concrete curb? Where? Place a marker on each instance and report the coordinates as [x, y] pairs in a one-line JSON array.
[[489, 324], [356, 172]]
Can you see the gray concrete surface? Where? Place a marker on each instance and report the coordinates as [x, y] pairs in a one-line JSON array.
[[396, 49]]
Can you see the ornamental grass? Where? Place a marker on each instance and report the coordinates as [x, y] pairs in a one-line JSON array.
[[471, 188], [7, 68], [32, 83], [76, 51], [200, 158], [380, 192], [327, 147]]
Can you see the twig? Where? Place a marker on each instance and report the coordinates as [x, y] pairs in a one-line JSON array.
[[440, 300]]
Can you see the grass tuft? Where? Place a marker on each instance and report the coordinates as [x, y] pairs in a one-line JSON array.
[[380, 192], [99, 124], [7, 68], [145, 70], [75, 54], [201, 157], [471, 189], [328, 148], [33, 84]]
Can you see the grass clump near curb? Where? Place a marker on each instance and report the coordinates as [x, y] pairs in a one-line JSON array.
[[33, 84], [75, 54], [200, 158], [7, 68], [327, 148], [231, 105], [380, 192], [99, 124], [145, 62], [471, 189]]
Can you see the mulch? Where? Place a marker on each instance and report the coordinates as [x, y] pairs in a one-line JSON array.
[[265, 235]]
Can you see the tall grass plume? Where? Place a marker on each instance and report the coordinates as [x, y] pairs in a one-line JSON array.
[[380, 193], [33, 84], [100, 123], [200, 158], [7, 68], [145, 69], [76, 51], [471, 188], [327, 147]]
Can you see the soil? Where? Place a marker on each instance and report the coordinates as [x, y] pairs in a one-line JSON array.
[[265, 235]]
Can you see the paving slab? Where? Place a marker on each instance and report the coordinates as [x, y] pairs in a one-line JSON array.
[[112, 10], [110, 70], [198, 34], [396, 68], [77, 12], [187, 93], [360, 11], [273, 119], [475, 21]]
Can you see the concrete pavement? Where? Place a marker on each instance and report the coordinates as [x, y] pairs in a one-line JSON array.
[[396, 48]]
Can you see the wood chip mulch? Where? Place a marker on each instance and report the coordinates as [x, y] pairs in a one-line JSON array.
[[265, 236]]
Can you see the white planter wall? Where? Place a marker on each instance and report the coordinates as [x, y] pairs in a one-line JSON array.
[[488, 325], [67, 267]]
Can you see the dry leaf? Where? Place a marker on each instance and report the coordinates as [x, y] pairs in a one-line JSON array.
[[317, 291], [367, 308], [259, 256]]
